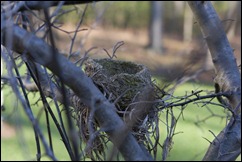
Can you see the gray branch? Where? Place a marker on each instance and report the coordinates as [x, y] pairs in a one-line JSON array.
[[227, 145], [38, 5], [39, 51]]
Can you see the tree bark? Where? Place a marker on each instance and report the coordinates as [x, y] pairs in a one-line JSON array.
[[227, 145], [155, 28], [188, 25]]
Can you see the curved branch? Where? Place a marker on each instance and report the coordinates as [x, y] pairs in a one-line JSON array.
[[82, 85], [228, 76], [227, 145], [38, 5]]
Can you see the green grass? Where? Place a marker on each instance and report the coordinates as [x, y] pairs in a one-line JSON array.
[[188, 145], [22, 146]]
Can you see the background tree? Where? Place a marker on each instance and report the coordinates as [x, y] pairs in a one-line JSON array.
[[155, 28]]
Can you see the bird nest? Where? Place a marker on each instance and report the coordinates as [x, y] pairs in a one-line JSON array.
[[119, 81], [129, 87]]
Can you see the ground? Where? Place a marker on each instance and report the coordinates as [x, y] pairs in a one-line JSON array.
[[7, 131]]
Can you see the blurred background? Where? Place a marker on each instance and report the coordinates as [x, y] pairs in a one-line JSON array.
[[165, 37], [162, 35]]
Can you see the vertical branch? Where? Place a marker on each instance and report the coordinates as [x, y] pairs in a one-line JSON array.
[[226, 145], [228, 77]]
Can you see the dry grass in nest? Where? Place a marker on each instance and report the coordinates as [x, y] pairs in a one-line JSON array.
[[129, 87]]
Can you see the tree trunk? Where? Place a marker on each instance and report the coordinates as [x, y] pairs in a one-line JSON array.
[[226, 146], [155, 29], [188, 25]]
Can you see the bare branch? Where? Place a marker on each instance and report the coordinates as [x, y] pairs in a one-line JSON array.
[[198, 98], [83, 87], [37, 5], [228, 79]]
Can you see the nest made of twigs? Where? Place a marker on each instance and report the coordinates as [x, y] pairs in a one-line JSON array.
[[118, 79], [128, 85]]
